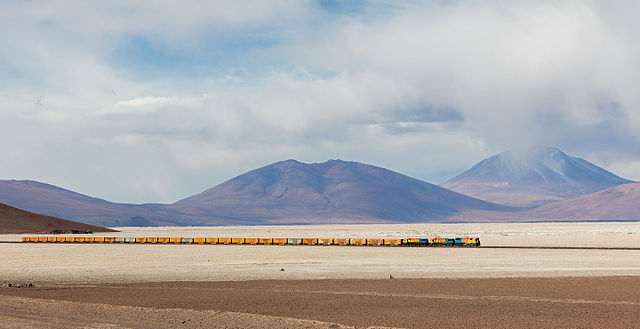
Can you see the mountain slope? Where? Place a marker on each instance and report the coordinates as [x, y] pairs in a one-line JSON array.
[[620, 202], [53, 201], [333, 191], [532, 177], [16, 221]]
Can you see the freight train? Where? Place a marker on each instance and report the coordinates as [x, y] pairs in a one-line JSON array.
[[408, 242]]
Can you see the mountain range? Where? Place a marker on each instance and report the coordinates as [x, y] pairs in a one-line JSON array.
[[540, 184], [16, 221], [532, 177]]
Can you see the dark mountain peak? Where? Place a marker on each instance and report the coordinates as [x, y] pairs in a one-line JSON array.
[[532, 176], [291, 191]]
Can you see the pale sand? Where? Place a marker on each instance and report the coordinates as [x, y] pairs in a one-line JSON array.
[[113, 263]]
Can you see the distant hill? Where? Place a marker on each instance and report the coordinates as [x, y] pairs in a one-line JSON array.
[[620, 202], [333, 191], [54, 201], [16, 221], [532, 177]]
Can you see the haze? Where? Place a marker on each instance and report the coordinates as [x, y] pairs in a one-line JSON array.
[[149, 102]]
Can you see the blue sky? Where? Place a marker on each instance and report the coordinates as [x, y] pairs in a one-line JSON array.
[[151, 102]]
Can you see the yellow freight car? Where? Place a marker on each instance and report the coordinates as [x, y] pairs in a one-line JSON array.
[[281, 241], [59, 239], [211, 240], [392, 242], [357, 242], [98, 239], [325, 242], [224, 240], [251, 240], [140, 240], [237, 240], [341, 242], [68, 239], [42, 239], [163, 240], [265, 241], [198, 240], [109, 239], [310, 242], [51, 239], [175, 240], [375, 242]]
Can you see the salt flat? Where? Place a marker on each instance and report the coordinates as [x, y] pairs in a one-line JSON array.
[[105, 263]]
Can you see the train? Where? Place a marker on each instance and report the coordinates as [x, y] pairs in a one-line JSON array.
[[406, 242]]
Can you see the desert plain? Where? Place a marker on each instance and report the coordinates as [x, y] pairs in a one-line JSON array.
[[573, 275]]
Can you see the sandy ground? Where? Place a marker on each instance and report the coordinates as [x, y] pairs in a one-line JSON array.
[[134, 285], [599, 234], [454, 303]]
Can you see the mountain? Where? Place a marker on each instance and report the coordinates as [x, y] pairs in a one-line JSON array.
[[333, 191], [615, 203], [54, 201], [16, 221], [532, 177]]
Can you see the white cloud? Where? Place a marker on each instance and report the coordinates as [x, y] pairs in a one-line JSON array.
[[425, 88]]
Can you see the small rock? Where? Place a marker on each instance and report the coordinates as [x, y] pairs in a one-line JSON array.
[[282, 270]]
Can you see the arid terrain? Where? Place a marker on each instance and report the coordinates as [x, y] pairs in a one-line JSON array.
[[141, 285]]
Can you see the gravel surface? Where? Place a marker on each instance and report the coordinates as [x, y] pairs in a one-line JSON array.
[[445, 303]]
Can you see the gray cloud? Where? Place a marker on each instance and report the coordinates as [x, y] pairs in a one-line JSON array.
[[424, 88]]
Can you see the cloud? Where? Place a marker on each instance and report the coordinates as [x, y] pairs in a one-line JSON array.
[[153, 101]]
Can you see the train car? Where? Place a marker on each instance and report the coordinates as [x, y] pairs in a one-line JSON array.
[[211, 240], [375, 242], [60, 239], [412, 242], [467, 242], [251, 240], [392, 242], [325, 242], [265, 241], [341, 242], [237, 240], [42, 239], [224, 240], [294, 241], [118, 240], [199, 240], [51, 239], [98, 239], [186, 240], [163, 240], [357, 242], [310, 242], [280, 241]]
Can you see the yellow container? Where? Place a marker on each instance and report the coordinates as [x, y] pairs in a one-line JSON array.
[[224, 240], [265, 241], [310, 242], [42, 239], [375, 242], [163, 240], [392, 242], [89, 239], [78, 239], [279, 240], [175, 240], [211, 240], [110, 239], [198, 240], [341, 242], [100, 239], [69, 239], [60, 239], [251, 240], [141, 240], [237, 240], [152, 240], [24, 239], [326, 242], [357, 242], [51, 239]]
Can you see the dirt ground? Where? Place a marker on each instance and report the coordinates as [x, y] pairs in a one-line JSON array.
[[420, 303]]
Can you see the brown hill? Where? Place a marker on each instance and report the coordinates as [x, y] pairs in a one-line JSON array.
[[620, 202], [16, 221]]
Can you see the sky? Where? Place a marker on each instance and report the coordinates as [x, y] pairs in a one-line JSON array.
[[153, 101]]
